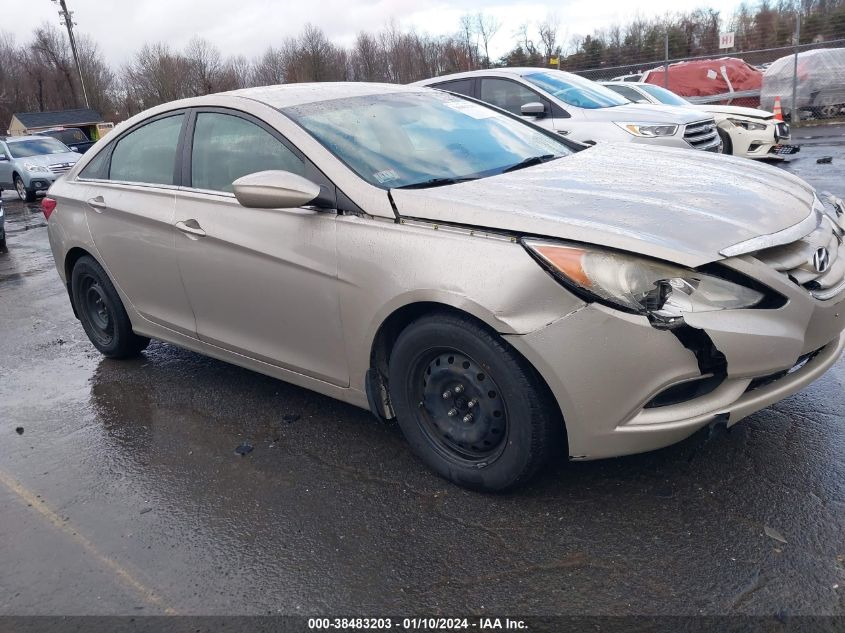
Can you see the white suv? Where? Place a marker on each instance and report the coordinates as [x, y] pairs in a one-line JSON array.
[[581, 109]]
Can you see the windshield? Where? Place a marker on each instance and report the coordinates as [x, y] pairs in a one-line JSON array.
[[426, 138], [662, 95], [36, 147], [576, 91], [69, 136]]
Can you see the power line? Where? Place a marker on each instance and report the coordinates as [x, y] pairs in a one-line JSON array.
[[67, 16]]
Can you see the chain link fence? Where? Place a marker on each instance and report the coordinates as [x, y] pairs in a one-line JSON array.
[[818, 88]]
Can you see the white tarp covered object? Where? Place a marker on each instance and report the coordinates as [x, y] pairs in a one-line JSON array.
[[821, 82]]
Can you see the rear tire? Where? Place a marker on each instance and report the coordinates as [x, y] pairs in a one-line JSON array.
[[27, 195], [439, 366], [727, 144], [101, 311]]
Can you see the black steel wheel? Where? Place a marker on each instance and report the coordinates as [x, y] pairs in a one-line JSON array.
[[97, 310], [461, 408], [101, 311], [470, 406]]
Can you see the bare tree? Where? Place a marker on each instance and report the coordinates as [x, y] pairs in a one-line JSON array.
[[204, 66], [269, 69], [548, 35], [487, 26], [51, 54], [467, 37]]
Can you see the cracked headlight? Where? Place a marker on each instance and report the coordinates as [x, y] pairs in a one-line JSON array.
[[748, 125], [649, 130], [662, 291]]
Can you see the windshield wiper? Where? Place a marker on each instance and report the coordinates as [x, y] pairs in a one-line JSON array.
[[436, 182], [530, 162]]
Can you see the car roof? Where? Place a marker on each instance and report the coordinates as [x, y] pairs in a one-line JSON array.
[[516, 71], [28, 137], [287, 95]]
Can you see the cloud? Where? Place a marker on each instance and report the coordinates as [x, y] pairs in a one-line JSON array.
[[121, 27]]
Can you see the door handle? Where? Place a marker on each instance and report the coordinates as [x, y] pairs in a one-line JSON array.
[[191, 227], [98, 204]]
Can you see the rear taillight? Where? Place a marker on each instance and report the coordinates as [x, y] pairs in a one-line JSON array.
[[48, 205]]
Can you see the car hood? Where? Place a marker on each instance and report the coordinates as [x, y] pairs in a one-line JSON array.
[[644, 113], [674, 204], [52, 159], [754, 113]]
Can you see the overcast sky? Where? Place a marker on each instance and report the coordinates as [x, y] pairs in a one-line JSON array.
[[247, 27]]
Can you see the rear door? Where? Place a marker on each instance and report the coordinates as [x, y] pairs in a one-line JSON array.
[[129, 196], [261, 282]]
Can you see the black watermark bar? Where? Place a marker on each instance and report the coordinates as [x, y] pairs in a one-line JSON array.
[[781, 623]]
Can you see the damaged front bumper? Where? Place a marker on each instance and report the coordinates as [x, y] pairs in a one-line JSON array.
[[626, 387]]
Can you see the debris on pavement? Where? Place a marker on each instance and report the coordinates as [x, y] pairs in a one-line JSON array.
[[19, 430], [825, 160], [290, 417], [145, 510], [244, 449], [773, 534]]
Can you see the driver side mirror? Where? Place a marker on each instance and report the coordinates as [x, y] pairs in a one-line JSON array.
[[4, 158], [274, 189], [533, 108]]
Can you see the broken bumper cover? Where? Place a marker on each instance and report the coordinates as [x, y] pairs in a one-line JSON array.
[[606, 378]]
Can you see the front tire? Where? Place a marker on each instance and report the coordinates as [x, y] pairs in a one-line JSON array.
[[27, 195], [470, 407], [727, 144], [101, 311]]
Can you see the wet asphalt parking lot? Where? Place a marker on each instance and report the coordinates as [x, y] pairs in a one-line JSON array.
[[123, 493]]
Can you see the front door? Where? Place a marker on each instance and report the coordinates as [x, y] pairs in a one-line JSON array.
[[261, 282]]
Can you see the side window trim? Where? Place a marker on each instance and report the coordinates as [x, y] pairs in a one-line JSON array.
[[328, 190], [473, 83]]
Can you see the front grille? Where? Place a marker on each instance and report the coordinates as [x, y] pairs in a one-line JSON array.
[[703, 135], [60, 168], [816, 262]]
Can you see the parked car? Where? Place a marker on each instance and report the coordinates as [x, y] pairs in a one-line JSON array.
[[33, 163], [504, 293], [73, 137], [820, 83], [745, 132], [581, 109]]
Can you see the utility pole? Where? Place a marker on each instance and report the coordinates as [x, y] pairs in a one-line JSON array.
[[794, 114], [67, 16]]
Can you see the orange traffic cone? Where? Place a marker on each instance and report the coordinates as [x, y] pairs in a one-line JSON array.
[[777, 111]]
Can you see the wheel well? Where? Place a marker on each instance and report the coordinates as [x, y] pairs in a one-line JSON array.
[[386, 337], [71, 258]]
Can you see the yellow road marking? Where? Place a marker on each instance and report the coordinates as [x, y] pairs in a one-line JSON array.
[[121, 572]]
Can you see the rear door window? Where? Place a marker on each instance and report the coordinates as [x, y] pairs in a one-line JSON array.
[[148, 153], [460, 86]]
